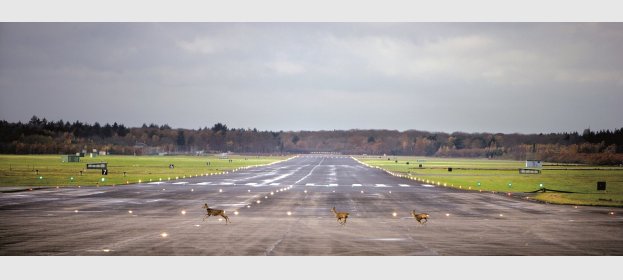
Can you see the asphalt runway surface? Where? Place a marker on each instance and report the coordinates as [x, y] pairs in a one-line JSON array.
[[293, 217]]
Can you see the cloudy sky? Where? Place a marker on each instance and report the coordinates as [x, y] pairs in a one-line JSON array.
[[471, 77]]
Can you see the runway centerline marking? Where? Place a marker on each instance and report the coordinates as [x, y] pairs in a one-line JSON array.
[[310, 172]]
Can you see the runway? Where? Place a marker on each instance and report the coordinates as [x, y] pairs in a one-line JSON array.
[[283, 209]]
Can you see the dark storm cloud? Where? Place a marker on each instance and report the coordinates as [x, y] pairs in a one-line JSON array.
[[512, 77]]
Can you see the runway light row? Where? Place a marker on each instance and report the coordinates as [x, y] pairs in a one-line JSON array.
[[265, 197], [438, 183], [204, 174]]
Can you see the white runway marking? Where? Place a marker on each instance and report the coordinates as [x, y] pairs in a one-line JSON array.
[[310, 184], [356, 185], [428, 186], [381, 185], [180, 183], [332, 185], [251, 184], [276, 179], [155, 183], [226, 183], [310, 172], [202, 183], [240, 204], [404, 185], [274, 184]]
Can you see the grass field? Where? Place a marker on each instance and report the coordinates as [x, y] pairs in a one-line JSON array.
[[21, 170], [504, 176]]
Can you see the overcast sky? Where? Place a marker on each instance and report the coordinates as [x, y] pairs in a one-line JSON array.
[[470, 77]]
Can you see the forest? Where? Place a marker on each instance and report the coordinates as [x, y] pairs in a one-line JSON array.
[[40, 136]]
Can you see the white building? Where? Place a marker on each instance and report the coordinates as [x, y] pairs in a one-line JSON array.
[[531, 163]]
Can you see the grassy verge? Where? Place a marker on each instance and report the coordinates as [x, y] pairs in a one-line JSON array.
[[21, 170], [504, 176]]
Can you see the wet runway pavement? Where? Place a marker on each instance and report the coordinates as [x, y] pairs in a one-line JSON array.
[[293, 217]]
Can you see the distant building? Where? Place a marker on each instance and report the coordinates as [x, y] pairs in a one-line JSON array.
[[70, 158], [532, 163]]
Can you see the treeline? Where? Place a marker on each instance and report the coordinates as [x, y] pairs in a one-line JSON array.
[[40, 136]]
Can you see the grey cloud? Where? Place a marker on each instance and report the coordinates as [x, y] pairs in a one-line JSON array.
[[511, 77]]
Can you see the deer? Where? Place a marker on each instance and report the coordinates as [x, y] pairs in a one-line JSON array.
[[341, 216], [215, 212], [420, 217]]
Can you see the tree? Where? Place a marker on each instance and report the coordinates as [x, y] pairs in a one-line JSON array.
[[219, 127], [181, 139], [107, 131]]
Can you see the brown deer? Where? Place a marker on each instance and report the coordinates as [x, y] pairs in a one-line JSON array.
[[341, 216], [215, 212], [420, 217]]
